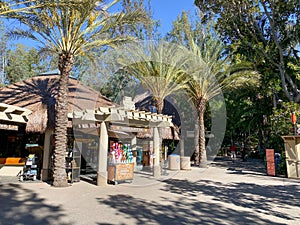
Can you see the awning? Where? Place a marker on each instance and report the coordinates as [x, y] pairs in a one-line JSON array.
[[119, 115]]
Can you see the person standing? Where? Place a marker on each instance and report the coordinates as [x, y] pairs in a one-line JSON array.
[[243, 152]]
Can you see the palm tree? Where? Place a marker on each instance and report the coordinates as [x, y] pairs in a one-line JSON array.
[[69, 29], [7, 7], [211, 72], [203, 86], [159, 66]]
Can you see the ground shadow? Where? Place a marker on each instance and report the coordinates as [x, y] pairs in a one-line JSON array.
[[261, 198], [20, 205], [179, 211], [233, 203], [249, 166], [187, 207]]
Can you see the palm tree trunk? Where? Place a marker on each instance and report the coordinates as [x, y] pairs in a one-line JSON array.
[[196, 142], [66, 61], [160, 105], [203, 157]]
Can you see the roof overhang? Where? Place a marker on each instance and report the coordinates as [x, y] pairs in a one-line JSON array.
[[15, 115], [121, 116]]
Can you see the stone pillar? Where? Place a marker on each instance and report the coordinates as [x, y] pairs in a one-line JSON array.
[[156, 167], [182, 145], [102, 156], [46, 155]]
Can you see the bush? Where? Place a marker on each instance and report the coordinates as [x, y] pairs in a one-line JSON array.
[[282, 166]]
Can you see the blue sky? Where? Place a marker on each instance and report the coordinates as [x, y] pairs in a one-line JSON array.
[[167, 11]]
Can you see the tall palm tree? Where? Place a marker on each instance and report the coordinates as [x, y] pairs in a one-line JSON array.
[[160, 67], [207, 64], [211, 72], [70, 29]]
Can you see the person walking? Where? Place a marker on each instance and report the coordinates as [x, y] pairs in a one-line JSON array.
[[233, 152]]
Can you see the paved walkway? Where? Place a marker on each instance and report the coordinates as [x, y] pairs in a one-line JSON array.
[[223, 193]]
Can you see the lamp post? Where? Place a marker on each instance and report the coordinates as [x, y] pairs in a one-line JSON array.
[[294, 121]]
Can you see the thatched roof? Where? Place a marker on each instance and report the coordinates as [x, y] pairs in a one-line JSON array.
[[143, 101], [168, 133], [38, 94]]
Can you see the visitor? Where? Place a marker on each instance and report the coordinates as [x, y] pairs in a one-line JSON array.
[[243, 152], [233, 152]]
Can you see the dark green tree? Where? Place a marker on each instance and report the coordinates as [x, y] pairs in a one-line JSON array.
[[266, 33], [24, 62]]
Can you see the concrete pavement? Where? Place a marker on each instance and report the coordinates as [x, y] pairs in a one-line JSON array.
[[223, 193]]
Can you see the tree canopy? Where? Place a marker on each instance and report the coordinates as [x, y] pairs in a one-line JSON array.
[[266, 33]]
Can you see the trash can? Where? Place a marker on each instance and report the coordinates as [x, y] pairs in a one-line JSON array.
[[174, 162], [185, 163], [277, 161]]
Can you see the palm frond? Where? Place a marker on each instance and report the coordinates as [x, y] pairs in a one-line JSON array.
[[160, 66], [72, 26], [212, 72]]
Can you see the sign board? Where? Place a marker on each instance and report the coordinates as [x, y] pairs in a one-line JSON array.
[[190, 133], [128, 129], [120, 171], [124, 171], [8, 127], [270, 158]]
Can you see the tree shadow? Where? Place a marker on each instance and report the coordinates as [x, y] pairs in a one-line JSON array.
[[250, 166], [186, 205], [261, 198], [233, 203], [22, 206], [179, 211]]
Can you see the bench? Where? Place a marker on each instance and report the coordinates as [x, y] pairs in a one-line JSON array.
[[13, 161]]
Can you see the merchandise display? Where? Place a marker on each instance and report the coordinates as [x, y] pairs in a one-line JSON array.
[[120, 153], [120, 163]]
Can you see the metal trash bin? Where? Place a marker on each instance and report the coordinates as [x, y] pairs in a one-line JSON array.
[[174, 162]]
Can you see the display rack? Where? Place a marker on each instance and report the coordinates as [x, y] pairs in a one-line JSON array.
[[73, 161], [120, 163]]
